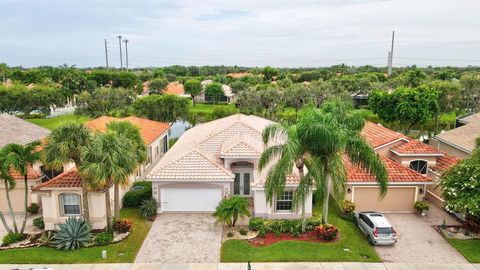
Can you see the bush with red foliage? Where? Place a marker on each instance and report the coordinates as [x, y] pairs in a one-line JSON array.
[[326, 232], [122, 225]]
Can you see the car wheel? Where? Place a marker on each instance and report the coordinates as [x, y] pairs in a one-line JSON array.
[[370, 241]]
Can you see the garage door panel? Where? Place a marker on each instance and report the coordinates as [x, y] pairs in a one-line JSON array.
[[190, 199], [397, 199]]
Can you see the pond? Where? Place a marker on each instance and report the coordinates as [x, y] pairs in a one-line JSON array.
[[178, 128]]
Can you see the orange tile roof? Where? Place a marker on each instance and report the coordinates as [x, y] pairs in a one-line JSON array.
[[416, 147], [67, 179], [174, 88], [149, 129], [396, 173], [444, 163], [378, 135], [31, 174]]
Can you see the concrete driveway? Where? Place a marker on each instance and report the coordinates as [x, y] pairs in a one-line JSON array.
[[418, 242], [182, 238]]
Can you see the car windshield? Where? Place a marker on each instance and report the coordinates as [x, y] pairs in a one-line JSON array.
[[385, 230]]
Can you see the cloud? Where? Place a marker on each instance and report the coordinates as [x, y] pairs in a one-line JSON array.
[[223, 15]]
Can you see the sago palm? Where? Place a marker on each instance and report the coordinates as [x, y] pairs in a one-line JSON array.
[[66, 144], [231, 209], [139, 149], [19, 158], [9, 184], [108, 159], [332, 133], [287, 152]]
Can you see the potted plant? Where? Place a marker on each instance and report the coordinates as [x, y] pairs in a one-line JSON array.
[[422, 207]]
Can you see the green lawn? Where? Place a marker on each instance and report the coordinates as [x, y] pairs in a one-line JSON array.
[[470, 249], [53, 122], [298, 251], [123, 252], [202, 108]]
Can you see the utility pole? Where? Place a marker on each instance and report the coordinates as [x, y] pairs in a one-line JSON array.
[[126, 52], [120, 44], [390, 56], [106, 53]]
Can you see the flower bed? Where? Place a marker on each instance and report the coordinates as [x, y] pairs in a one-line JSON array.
[[271, 238], [456, 232]]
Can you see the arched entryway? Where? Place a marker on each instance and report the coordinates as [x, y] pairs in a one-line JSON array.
[[242, 185]]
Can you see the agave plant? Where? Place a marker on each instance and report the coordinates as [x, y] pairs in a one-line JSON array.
[[148, 208], [73, 234], [45, 240]]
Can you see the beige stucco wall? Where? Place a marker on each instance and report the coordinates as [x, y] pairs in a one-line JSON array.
[[144, 168], [434, 191], [448, 149], [385, 150], [267, 210], [52, 209], [17, 196], [405, 160]]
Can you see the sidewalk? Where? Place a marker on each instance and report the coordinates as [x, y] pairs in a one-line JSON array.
[[255, 266]]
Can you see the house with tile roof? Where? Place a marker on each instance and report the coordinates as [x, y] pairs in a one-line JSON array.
[[220, 158], [460, 141], [20, 131], [61, 196]]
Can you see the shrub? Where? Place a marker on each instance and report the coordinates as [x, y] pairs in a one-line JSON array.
[[134, 198], [471, 225], [12, 238], [73, 234], [230, 234], [327, 232], [421, 206], [255, 224], [33, 208], [148, 208], [313, 223], [230, 209], [122, 225], [103, 239], [38, 222], [348, 207], [243, 232], [45, 239]]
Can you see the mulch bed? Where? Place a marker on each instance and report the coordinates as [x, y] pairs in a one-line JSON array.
[[271, 238]]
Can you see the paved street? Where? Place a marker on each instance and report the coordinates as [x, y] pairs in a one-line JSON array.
[[182, 238], [418, 242]]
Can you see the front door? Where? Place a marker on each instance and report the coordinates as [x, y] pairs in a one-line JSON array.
[[241, 185]]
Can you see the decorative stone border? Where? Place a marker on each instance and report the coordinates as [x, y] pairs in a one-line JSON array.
[[236, 233], [448, 233]]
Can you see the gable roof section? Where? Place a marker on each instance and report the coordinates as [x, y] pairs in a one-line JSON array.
[[378, 135], [31, 174], [241, 145], [67, 179], [174, 88], [415, 147], [192, 166], [462, 138], [149, 129], [17, 130], [472, 118], [444, 163], [396, 173]]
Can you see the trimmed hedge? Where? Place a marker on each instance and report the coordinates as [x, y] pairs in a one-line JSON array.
[[278, 226], [134, 198]]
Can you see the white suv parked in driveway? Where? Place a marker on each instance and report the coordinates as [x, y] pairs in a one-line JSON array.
[[376, 228]]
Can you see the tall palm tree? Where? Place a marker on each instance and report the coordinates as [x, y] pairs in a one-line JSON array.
[[9, 183], [332, 133], [132, 133], [19, 158], [288, 154], [108, 159], [66, 144]]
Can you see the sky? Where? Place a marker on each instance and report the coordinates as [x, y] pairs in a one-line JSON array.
[[279, 33]]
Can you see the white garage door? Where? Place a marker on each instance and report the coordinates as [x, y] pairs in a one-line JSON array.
[[190, 199]]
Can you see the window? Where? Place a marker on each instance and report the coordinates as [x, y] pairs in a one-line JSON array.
[[149, 155], [419, 166], [165, 144], [285, 201], [70, 204], [157, 151]]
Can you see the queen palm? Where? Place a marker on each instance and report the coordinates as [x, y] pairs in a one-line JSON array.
[[332, 134], [66, 144], [9, 183], [107, 160], [132, 133], [19, 158], [290, 153]]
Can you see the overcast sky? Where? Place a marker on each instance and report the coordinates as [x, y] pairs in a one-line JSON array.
[[282, 33]]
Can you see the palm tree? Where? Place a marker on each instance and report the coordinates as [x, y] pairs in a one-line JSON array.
[[230, 209], [132, 133], [290, 153], [332, 133], [9, 184], [19, 158], [65, 144], [108, 159]]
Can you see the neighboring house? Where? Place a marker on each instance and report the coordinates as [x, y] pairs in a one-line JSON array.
[[460, 141], [227, 90], [218, 159], [413, 170], [17, 130], [175, 88], [61, 196]]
